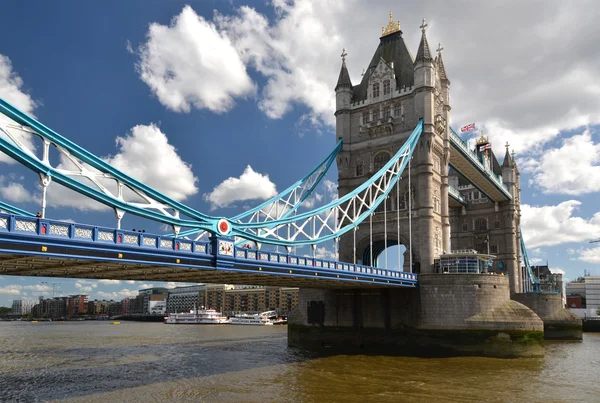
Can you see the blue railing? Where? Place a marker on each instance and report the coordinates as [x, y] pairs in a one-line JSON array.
[[456, 140], [84, 233]]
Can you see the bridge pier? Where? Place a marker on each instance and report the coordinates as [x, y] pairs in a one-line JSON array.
[[446, 315], [559, 323]]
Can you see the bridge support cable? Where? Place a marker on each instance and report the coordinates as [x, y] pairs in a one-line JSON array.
[[371, 238], [385, 231], [410, 219], [89, 175], [352, 209], [532, 283], [398, 220]]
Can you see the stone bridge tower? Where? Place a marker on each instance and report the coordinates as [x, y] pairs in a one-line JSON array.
[[374, 119]]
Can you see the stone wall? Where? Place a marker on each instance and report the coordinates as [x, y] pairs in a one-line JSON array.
[[559, 323]]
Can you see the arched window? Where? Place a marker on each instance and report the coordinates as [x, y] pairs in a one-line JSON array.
[[436, 202], [359, 169], [397, 109], [386, 87], [376, 90], [481, 224], [380, 160], [366, 117], [386, 112], [375, 114]]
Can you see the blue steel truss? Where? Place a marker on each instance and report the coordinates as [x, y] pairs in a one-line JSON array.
[[532, 283], [14, 210]]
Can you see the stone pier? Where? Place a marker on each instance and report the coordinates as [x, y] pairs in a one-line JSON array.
[[470, 314], [559, 323]]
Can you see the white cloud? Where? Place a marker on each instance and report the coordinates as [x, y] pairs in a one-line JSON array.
[[557, 271], [14, 192], [85, 289], [109, 281], [11, 90], [145, 154], [116, 295], [38, 288], [12, 289], [572, 169], [589, 255], [190, 64], [535, 261], [553, 225], [249, 186]]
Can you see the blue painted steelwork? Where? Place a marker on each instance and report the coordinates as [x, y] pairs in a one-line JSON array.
[[533, 283], [42, 237], [462, 147], [386, 177], [33, 163], [456, 195], [15, 210]]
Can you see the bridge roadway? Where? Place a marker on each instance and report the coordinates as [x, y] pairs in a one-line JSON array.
[[32, 246], [465, 162]]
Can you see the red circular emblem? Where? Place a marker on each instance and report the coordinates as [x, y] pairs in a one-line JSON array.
[[223, 227]]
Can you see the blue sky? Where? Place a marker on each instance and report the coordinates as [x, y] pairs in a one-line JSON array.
[[244, 91]]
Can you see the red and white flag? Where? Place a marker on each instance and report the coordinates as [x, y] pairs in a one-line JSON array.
[[484, 147], [467, 128]]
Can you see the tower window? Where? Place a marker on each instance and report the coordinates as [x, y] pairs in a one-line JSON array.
[[497, 224], [376, 90], [386, 112], [465, 226], [481, 224], [386, 87], [359, 169], [375, 114], [380, 160], [366, 118]]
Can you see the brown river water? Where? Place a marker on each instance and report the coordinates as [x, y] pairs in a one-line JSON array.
[[154, 362]]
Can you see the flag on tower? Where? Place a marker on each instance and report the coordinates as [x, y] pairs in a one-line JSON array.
[[484, 147], [467, 128]]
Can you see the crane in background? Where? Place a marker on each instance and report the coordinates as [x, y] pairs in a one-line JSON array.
[[53, 287], [595, 240]]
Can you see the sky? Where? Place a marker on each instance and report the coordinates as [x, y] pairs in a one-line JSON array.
[[236, 101]]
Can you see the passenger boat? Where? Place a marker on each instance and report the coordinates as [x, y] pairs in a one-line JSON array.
[[198, 317], [264, 318]]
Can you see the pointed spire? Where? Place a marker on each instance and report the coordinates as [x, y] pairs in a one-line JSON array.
[[514, 163], [344, 78], [440, 64], [423, 54], [508, 162]]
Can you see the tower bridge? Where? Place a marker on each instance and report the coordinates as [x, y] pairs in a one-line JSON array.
[[404, 177]]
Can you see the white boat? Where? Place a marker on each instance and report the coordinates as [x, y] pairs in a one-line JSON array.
[[262, 319], [202, 317]]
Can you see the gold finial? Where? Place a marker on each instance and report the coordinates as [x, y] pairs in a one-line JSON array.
[[423, 26], [507, 145], [344, 54], [391, 27], [482, 139]]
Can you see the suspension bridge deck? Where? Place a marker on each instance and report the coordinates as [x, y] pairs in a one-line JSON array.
[[38, 247]]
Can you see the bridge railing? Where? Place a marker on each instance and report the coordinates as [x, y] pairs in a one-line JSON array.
[[455, 139], [457, 195], [52, 230]]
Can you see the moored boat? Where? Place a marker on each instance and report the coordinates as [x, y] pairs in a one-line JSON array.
[[262, 319], [198, 317]]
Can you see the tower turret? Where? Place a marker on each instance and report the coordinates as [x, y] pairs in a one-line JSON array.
[[343, 97]]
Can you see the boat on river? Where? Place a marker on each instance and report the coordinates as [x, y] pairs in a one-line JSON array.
[[262, 319], [196, 317]]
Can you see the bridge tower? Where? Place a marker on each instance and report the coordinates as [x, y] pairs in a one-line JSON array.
[[374, 119]]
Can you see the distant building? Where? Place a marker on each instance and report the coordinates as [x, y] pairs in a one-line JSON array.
[[77, 304], [588, 289], [549, 282], [157, 304], [17, 307], [184, 299]]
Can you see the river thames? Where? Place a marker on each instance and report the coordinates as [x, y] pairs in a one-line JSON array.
[[153, 362]]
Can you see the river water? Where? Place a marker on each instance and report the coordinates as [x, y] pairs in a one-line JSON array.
[[153, 362]]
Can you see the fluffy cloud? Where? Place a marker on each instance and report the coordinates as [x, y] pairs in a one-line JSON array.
[[553, 225], [11, 289], [249, 186], [109, 281], [589, 255], [11, 90], [145, 154], [515, 84], [116, 295], [573, 168], [38, 288], [190, 64], [14, 192]]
